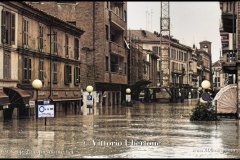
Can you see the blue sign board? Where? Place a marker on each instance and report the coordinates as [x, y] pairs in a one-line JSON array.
[[89, 100]]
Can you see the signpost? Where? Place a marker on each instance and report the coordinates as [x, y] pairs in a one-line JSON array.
[[45, 109], [89, 101], [128, 98]]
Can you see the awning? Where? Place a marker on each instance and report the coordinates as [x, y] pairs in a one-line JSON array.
[[3, 98], [17, 97], [60, 100]]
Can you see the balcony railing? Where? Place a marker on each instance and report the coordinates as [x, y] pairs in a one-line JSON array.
[[117, 49], [228, 61], [116, 19]]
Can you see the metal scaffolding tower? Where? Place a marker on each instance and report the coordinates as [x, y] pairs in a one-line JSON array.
[[165, 44]]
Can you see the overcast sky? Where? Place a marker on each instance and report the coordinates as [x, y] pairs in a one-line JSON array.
[[191, 22]]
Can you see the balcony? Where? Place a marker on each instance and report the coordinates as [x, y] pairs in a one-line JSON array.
[[117, 49], [229, 64], [177, 71], [117, 21]]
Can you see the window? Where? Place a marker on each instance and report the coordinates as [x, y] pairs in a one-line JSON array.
[[25, 33], [125, 16], [54, 42], [117, 11], [8, 27], [41, 70], [7, 65], [106, 63], [76, 48], [54, 72], [107, 34], [156, 50], [114, 63], [66, 45], [40, 38], [76, 75], [67, 74], [27, 69]]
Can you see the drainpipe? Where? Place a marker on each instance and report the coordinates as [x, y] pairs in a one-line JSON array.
[[93, 46], [50, 54]]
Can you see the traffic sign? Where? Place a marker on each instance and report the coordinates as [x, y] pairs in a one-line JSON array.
[[89, 100], [45, 111]]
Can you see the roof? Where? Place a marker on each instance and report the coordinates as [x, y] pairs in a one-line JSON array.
[[203, 51], [147, 36], [205, 42], [217, 64], [55, 20], [144, 35]]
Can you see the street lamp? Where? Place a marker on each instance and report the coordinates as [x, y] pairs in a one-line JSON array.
[[205, 84], [37, 85], [89, 89], [128, 95], [89, 97]]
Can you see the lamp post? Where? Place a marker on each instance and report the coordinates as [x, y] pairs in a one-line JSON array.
[[37, 84], [89, 97], [205, 85], [128, 95]]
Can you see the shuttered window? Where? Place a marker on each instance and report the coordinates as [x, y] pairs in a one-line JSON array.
[[40, 38], [55, 72], [27, 69], [41, 70], [67, 74], [66, 45], [76, 75], [7, 65], [8, 27], [76, 48]]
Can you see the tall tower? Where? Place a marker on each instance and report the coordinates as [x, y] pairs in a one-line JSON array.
[[165, 44]]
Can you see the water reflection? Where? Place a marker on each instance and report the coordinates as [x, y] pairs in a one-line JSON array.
[[143, 131]]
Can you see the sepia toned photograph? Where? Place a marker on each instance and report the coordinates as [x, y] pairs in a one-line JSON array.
[[119, 79]]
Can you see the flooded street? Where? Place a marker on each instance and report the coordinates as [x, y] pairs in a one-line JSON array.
[[142, 131]]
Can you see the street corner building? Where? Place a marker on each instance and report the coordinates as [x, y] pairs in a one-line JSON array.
[[104, 49], [36, 45]]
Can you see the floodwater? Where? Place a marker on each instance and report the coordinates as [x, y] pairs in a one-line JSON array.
[[142, 131]]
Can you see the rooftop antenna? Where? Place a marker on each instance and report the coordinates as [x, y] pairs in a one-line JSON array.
[[147, 18], [151, 18]]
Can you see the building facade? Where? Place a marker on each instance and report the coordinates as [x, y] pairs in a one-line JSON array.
[[218, 76], [230, 31], [45, 48], [204, 62], [105, 26], [180, 81]]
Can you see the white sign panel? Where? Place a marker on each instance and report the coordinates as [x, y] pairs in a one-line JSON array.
[[31, 104], [128, 98], [89, 100], [45, 111]]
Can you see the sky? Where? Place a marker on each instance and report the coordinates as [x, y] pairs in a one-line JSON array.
[[190, 22]]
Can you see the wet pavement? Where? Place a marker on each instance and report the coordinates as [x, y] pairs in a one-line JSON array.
[[142, 131]]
